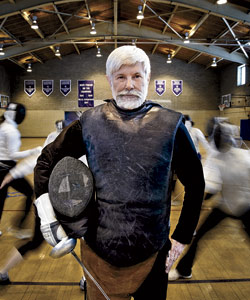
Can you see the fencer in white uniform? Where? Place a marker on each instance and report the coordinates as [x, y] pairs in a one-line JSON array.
[[227, 174], [196, 135], [10, 143], [26, 166]]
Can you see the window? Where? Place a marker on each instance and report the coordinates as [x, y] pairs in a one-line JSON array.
[[4, 100], [241, 75]]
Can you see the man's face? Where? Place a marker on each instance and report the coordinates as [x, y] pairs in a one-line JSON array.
[[129, 86]]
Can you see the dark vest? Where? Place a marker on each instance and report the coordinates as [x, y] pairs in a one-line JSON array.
[[129, 153]]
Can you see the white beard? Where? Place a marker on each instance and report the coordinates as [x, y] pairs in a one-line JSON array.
[[125, 101]]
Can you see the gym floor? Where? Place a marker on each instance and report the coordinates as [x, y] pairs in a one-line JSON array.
[[221, 271]]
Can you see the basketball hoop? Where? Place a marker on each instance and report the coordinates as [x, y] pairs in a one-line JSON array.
[[221, 107]]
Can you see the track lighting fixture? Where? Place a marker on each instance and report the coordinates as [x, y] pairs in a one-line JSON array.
[[1, 50], [29, 69], [34, 24], [57, 53], [93, 30], [98, 54], [169, 60], [214, 63], [186, 39], [221, 1], [140, 15]]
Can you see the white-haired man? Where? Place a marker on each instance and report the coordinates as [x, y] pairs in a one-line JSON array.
[[131, 146]]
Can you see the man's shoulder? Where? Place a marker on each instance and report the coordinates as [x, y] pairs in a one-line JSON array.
[[165, 109]]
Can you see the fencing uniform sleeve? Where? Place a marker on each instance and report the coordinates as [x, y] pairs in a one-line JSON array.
[[68, 143], [24, 168], [189, 171]]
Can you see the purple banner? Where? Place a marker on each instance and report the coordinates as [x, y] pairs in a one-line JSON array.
[[160, 87], [47, 87], [65, 87], [85, 93], [29, 87], [177, 87]]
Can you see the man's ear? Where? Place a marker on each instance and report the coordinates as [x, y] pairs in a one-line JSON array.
[[149, 77], [109, 80]]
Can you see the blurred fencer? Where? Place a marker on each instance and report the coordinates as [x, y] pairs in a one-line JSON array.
[[24, 168], [196, 135], [10, 143], [227, 173]]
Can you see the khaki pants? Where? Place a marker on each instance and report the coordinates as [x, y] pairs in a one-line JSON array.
[[118, 283]]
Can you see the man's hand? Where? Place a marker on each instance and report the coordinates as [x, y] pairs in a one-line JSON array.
[[7, 179], [173, 254]]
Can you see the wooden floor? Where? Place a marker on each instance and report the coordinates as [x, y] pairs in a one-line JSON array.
[[221, 271]]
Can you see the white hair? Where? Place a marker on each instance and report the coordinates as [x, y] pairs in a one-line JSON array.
[[127, 55]]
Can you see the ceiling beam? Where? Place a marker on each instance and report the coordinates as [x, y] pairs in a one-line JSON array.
[[60, 18], [28, 19], [76, 47], [17, 63], [143, 9], [198, 25], [194, 57], [125, 31], [36, 57], [227, 11], [166, 26], [235, 37], [4, 30], [115, 20], [9, 9]]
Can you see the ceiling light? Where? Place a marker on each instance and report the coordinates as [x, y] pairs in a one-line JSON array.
[[221, 1], [169, 60], [186, 40], [29, 68], [98, 54], [140, 15], [214, 63], [57, 53], [93, 31], [1, 50], [133, 42], [34, 24]]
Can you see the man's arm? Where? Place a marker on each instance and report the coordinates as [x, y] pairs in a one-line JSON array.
[[189, 171], [68, 143]]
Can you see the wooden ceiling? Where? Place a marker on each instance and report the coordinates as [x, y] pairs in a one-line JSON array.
[[214, 31]]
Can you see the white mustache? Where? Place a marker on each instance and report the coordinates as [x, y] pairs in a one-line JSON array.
[[131, 93]]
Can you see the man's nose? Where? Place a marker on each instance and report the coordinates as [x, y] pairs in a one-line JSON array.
[[129, 83]]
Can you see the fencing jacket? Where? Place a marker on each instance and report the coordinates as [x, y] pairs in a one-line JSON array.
[[131, 153]]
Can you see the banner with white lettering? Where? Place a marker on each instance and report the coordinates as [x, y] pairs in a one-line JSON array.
[[48, 87], [85, 93], [160, 87], [65, 87], [177, 87], [29, 87]]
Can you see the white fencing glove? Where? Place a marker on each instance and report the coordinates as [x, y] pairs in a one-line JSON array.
[[51, 229]]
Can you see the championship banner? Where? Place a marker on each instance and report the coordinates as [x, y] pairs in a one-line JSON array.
[[177, 87], [29, 87], [160, 87], [85, 93], [47, 87], [65, 87]]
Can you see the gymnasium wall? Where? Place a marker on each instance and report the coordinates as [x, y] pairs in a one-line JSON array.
[[228, 85], [200, 96]]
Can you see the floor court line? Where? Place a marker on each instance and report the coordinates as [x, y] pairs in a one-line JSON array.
[[170, 282]]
